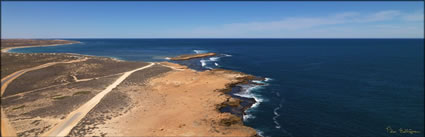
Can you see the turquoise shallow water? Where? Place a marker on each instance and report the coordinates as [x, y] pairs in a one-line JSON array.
[[317, 87]]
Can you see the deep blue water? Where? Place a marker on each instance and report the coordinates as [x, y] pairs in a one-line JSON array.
[[319, 87]]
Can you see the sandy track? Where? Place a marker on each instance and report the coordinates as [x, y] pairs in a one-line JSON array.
[[6, 80], [6, 129], [75, 79], [64, 127]]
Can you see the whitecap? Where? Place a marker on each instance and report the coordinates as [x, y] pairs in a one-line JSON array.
[[203, 62], [276, 116], [258, 100], [199, 51], [167, 58], [247, 93], [258, 81], [249, 116], [227, 55], [268, 79], [262, 81], [214, 58], [260, 133]]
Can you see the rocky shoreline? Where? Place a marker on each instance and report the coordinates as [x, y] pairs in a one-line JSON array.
[[235, 104]]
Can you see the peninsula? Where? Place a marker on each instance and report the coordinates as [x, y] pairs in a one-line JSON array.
[[56, 94], [192, 56]]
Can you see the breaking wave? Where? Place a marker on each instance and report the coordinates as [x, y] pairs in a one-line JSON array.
[[276, 115], [260, 133], [199, 51], [248, 91], [203, 62], [268, 79], [248, 116], [262, 82], [214, 58], [211, 62]]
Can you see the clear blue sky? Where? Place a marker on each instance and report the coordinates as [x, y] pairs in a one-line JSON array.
[[212, 19]]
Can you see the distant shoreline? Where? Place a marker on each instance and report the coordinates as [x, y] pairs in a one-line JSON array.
[[6, 50]]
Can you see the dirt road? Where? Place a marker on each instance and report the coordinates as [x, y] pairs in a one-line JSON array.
[[6, 128], [64, 127]]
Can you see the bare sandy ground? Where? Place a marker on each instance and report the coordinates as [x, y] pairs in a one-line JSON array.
[[181, 102], [162, 100], [66, 125], [39, 99], [4, 83], [12, 62], [21, 66]]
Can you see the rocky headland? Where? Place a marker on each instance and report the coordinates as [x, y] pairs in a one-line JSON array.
[[166, 99]]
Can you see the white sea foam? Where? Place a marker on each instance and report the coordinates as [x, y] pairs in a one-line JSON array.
[[258, 100], [167, 58], [258, 81], [247, 93], [276, 115], [248, 116], [260, 133], [203, 62], [262, 82], [214, 58], [199, 51], [227, 55], [268, 79]]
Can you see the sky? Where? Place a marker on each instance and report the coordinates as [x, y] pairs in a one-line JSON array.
[[190, 19]]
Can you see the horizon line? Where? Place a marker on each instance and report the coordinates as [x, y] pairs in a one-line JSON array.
[[212, 38]]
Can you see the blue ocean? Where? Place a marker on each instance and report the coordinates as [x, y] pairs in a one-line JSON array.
[[314, 87]]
